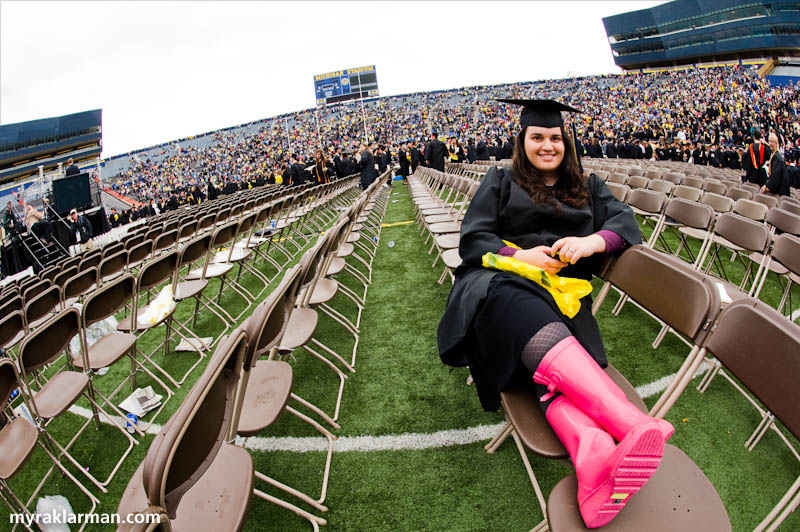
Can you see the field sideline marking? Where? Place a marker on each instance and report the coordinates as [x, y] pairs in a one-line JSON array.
[[390, 442]]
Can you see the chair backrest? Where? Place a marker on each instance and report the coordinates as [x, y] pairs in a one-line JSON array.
[[659, 185], [35, 289], [10, 325], [750, 209], [766, 199], [784, 221], [789, 206], [165, 241], [9, 380], [619, 191], [786, 250], [140, 252], [79, 284], [717, 202], [739, 193], [107, 300], [712, 185], [187, 230], [743, 232], [653, 173], [189, 442], [153, 233], [619, 178], [133, 241], [637, 181], [674, 177], [635, 171], [64, 274], [112, 264], [267, 323], [206, 222], [72, 261], [50, 272], [157, 270], [647, 200], [748, 327], [310, 264], [690, 213], [683, 298], [90, 262], [687, 193], [693, 181], [46, 343], [113, 248], [194, 250]]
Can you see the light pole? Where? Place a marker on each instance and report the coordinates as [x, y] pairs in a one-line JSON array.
[[363, 114]]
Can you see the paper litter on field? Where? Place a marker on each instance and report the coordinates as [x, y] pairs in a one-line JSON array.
[[195, 344], [141, 401]]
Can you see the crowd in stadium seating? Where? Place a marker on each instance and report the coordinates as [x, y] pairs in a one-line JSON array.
[[704, 116]]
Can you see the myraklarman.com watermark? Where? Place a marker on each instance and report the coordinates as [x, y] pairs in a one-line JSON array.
[[69, 518]]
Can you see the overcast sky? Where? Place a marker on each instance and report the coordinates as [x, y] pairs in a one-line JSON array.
[[166, 70]]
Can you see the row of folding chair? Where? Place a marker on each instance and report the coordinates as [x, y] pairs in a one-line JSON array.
[[689, 303], [282, 324], [440, 203], [103, 302]]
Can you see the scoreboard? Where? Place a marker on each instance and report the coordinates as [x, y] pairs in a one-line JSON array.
[[348, 84]]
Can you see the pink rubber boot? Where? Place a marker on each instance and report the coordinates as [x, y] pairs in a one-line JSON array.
[[608, 474], [569, 369]]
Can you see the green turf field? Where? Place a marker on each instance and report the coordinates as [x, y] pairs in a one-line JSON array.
[[401, 388]]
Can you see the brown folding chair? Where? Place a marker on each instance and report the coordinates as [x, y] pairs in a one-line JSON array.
[[191, 474], [42, 307], [18, 439], [527, 425], [152, 274], [112, 266], [266, 385], [78, 286], [750, 326], [51, 398], [12, 329], [105, 302], [683, 301]]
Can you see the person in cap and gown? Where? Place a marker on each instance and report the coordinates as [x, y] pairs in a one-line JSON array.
[[781, 178], [508, 329], [435, 152]]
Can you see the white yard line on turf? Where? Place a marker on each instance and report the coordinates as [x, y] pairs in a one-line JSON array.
[[391, 442]]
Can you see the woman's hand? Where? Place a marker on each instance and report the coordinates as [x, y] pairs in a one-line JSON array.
[[572, 248], [540, 256]]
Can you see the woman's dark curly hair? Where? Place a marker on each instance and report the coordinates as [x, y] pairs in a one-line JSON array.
[[570, 188]]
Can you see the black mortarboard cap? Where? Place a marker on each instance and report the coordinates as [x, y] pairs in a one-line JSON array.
[[541, 113]]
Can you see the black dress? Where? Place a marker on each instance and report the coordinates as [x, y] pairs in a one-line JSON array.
[[491, 315]]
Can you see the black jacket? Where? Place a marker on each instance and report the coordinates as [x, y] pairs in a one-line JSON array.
[[416, 158], [82, 228], [482, 152], [367, 166], [435, 153], [404, 163]]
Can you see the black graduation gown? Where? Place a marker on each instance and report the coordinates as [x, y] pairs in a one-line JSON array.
[[781, 177], [367, 165], [435, 153], [753, 160], [404, 163], [502, 210]]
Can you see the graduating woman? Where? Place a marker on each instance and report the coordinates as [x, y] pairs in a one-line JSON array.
[[506, 327]]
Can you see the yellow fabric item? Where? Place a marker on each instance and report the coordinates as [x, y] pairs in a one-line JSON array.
[[566, 291]]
